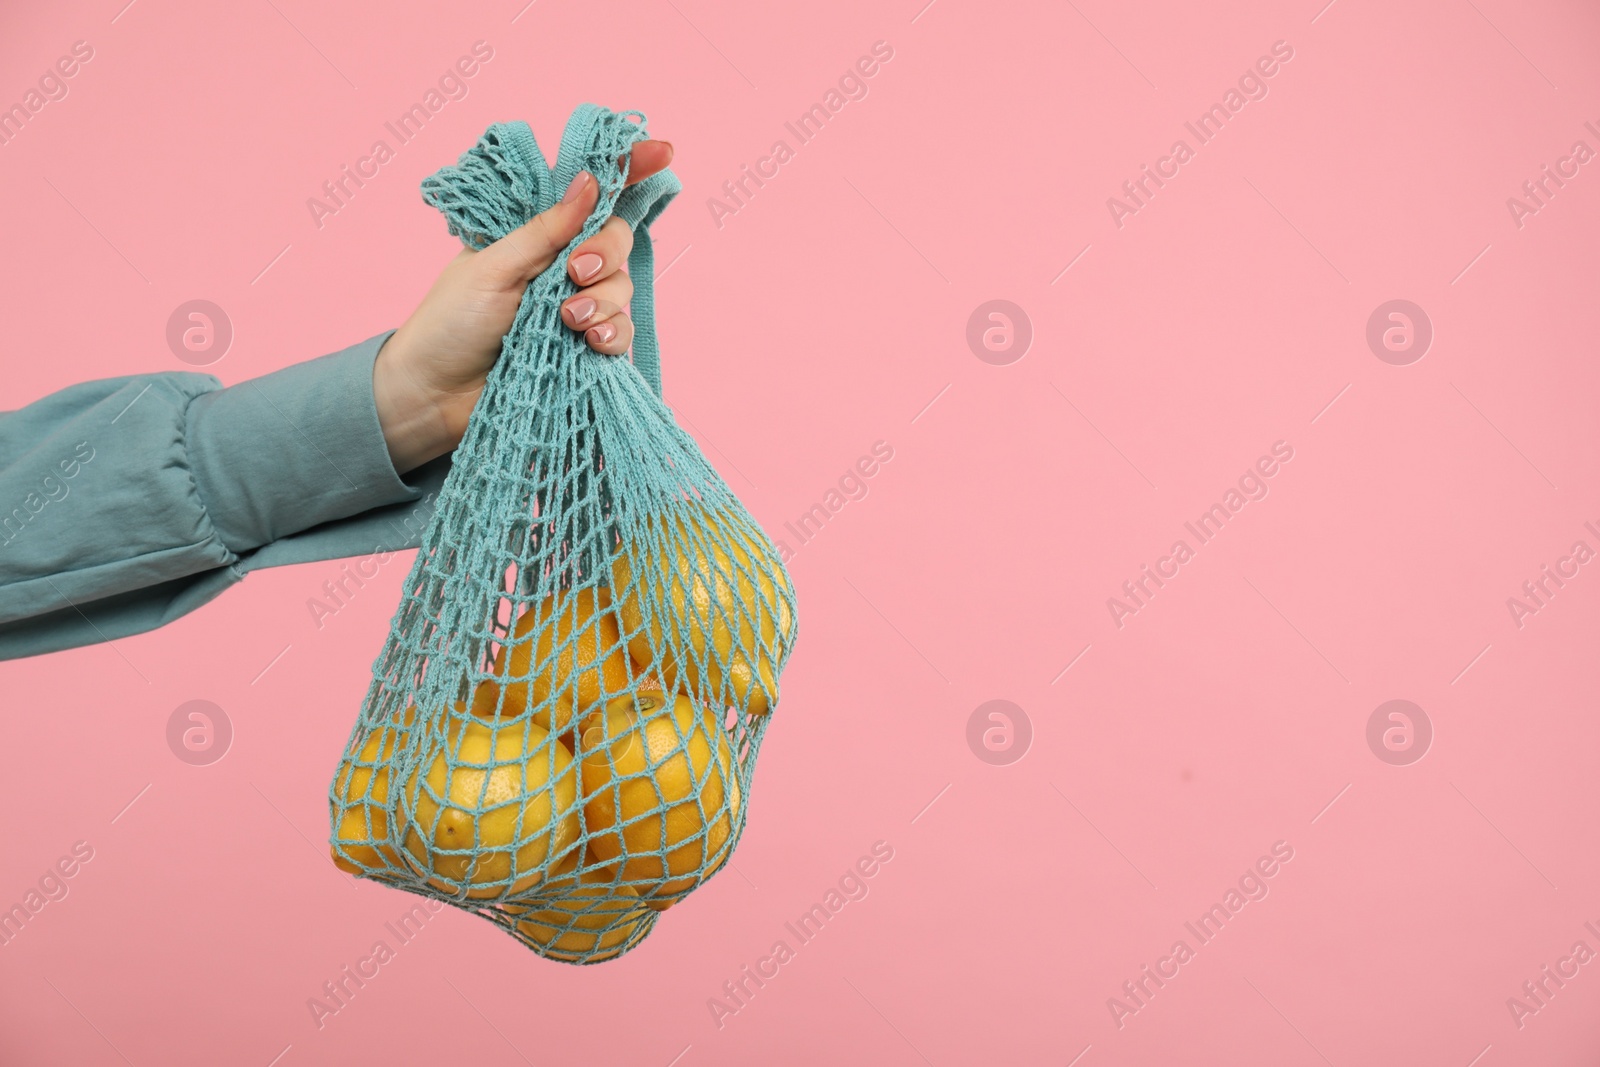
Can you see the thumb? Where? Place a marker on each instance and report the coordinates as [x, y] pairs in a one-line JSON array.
[[527, 250]]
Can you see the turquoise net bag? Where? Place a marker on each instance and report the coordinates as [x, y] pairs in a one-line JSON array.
[[563, 722]]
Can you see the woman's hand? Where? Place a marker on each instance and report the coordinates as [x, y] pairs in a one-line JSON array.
[[429, 373]]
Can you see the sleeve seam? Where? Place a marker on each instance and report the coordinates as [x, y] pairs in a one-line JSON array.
[[213, 536]]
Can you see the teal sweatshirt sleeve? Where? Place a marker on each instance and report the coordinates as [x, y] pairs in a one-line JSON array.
[[127, 502]]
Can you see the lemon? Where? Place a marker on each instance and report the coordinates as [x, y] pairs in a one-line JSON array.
[[661, 793], [362, 789], [735, 605], [581, 917], [494, 804], [566, 653]]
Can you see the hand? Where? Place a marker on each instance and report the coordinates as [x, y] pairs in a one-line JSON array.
[[428, 375]]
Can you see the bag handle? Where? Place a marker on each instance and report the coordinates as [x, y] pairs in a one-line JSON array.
[[639, 205], [503, 181]]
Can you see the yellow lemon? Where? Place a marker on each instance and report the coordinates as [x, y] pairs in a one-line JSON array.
[[735, 604], [576, 661], [661, 793], [493, 804], [580, 918], [361, 787]]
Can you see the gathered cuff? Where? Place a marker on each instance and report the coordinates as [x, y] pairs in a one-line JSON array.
[[279, 454]]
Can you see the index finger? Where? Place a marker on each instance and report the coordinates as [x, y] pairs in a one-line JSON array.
[[649, 157]]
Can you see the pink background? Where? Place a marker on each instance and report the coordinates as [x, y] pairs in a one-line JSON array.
[[823, 317]]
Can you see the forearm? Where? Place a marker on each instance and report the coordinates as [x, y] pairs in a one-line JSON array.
[[146, 495]]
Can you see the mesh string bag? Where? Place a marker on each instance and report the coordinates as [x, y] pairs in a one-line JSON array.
[[563, 723]]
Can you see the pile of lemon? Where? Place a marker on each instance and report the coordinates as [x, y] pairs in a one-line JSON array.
[[620, 793]]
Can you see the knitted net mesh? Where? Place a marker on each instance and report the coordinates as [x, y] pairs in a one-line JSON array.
[[563, 722]]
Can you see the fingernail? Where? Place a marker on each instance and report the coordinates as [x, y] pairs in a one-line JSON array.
[[599, 335], [581, 309], [586, 266], [579, 184]]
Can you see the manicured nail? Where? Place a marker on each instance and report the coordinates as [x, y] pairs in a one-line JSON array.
[[601, 334], [586, 266], [581, 309], [579, 184]]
